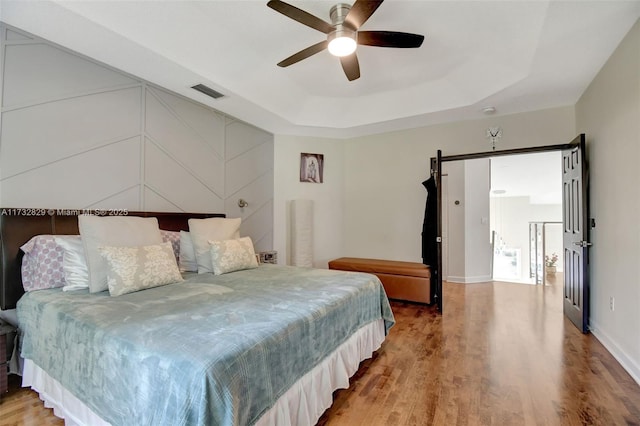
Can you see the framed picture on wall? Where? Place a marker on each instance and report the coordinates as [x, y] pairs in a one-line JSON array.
[[311, 167]]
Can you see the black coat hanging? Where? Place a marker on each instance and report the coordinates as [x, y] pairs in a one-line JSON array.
[[430, 226]]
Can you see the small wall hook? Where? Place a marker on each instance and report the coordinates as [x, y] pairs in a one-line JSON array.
[[242, 203]]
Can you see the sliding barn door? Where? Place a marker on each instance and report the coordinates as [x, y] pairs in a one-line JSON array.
[[576, 234]]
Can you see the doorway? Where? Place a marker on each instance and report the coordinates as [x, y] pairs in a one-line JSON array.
[[575, 222], [526, 217], [501, 217]]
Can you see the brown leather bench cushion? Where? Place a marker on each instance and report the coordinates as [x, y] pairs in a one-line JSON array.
[[401, 280], [393, 267]]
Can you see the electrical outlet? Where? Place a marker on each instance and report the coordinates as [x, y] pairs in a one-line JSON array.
[[612, 303]]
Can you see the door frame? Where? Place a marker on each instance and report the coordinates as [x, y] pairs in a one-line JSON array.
[[436, 167]]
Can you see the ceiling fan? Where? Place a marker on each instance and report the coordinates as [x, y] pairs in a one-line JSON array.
[[343, 33]]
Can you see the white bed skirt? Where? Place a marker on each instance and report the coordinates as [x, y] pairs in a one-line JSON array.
[[302, 404]]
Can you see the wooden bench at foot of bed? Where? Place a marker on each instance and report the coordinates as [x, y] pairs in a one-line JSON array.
[[409, 281]]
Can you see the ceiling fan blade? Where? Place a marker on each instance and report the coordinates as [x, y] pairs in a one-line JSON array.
[[350, 66], [301, 16], [304, 54], [389, 39], [360, 12]]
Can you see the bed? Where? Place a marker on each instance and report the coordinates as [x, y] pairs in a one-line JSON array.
[[266, 345]]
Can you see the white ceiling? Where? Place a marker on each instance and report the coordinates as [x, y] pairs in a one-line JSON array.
[[537, 176], [514, 55]]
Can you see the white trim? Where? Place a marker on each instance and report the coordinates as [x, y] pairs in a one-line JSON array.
[[185, 167], [171, 111], [620, 355], [100, 145], [470, 280], [75, 95], [479, 279]]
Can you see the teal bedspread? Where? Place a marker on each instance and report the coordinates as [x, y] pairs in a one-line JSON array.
[[212, 350]]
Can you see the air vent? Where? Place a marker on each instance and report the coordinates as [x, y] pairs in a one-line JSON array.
[[207, 91]]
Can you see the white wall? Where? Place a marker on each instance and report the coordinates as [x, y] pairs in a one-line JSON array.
[[466, 248], [453, 222], [608, 113], [328, 198], [510, 218], [78, 134], [384, 197], [477, 250]]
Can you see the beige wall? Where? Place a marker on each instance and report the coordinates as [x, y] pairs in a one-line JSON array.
[[372, 202], [327, 197], [384, 197], [609, 114]]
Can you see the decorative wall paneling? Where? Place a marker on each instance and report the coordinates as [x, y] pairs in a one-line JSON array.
[[78, 134]]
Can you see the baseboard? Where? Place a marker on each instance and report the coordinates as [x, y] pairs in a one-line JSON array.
[[625, 361], [469, 280], [478, 279]]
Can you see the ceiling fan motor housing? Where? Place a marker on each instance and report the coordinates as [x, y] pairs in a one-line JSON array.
[[338, 14]]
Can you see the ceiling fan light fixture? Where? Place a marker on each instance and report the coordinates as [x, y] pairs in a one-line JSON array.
[[343, 34], [342, 46], [342, 42]]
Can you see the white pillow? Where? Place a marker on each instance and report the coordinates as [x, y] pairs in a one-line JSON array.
[[74, 263], [214, 229], [187, 259], [132, 269], [232, 255], [115, 231]]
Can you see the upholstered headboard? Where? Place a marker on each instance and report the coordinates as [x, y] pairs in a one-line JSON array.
[[18, 225]]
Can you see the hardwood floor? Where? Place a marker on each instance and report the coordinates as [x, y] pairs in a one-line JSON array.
[[501, 354], [22, 407]]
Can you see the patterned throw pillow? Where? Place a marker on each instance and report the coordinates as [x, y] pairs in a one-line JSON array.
[[113, 231], [42, 262], [132, 269], [212, 229], [174, 238], [232, 255]]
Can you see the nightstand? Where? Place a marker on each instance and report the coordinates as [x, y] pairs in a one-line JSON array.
[[5, 330], [268, 257]]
